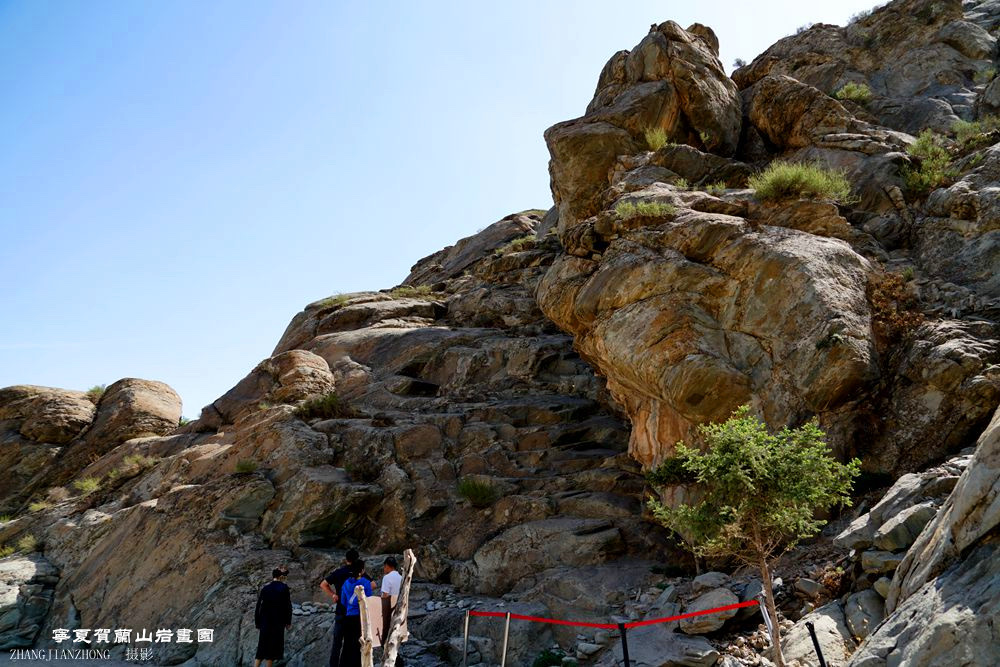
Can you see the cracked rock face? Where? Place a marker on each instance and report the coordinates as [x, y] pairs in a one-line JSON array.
[[720, 300], [673, 81]]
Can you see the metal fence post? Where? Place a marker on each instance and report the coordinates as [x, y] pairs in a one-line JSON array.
[[819, 652], [506, 635], [465, 644], [621, 628]]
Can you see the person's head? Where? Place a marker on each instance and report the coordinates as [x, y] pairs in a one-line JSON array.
[[279, 573], [352, 556], [357, 568], [389, 565]]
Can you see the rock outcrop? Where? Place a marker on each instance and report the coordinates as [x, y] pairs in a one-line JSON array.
[[946, 590], [720, 301], [498, 409]]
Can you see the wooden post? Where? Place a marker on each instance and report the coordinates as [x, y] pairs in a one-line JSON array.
[[397, 633], [367, 660], [465, 644], [506, 636]]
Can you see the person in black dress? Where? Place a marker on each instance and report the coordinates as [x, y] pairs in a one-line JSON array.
[[272, 617]]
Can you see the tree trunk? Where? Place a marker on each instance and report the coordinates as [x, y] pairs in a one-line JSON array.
[[367, 660], [397, 633], [772, 613]]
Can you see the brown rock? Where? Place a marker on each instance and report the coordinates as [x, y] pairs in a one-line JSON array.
[[55, 416], [130, 408]]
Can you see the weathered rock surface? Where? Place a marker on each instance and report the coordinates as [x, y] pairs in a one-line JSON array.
[[672, 80], [26, 589], [48, 415], [717, 597], [946, 591], [497, 409], [664, 649], [831, 631], [682, 311], [917, 56]]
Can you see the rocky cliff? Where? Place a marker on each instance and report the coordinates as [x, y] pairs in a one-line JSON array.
[[497, 409]]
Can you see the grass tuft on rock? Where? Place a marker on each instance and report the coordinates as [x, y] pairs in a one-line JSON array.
[[333, 301], [244, 466], [859, 93], [984, 75], [643, 209], [478, 492], [934, 164], [87, 485], [782, 181], [656, 138], [95, 393], [327, 406], [970, 133], [411, 292], [27, 543], [517, 245]]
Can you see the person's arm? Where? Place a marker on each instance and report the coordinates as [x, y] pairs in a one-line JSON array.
[[288, 607], [328, 589]]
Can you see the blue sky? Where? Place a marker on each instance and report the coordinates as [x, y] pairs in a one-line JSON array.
[[178, 179]]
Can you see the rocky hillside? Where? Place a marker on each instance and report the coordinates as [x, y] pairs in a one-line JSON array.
[[497, 410]]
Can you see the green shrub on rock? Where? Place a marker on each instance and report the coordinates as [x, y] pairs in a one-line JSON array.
[[972, 132], [95, 393], [478, 492], [327, 406], [656, 138], [643, 209], [87, 485], [855, 92], [244, 466], [793, 180], [934, 168]]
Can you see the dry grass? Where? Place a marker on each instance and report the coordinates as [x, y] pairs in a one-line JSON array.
[[793, 180], [643, 209], [656, 138]]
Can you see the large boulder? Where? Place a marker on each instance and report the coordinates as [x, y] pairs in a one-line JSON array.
[[717, 597], [660, 648], [831, 631], [702, 314], [43, 414], [539, 545], [132, 407], [286, 377], [791, 114]]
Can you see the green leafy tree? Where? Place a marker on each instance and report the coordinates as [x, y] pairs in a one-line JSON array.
[[760, 494]]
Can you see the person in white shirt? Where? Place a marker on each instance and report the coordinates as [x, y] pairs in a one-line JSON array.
[[392, 582]]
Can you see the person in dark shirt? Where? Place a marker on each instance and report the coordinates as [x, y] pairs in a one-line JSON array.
[[350, 654], [331, 585], [272, 616]]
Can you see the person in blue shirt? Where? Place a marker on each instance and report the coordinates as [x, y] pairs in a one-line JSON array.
[[350, 654]]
